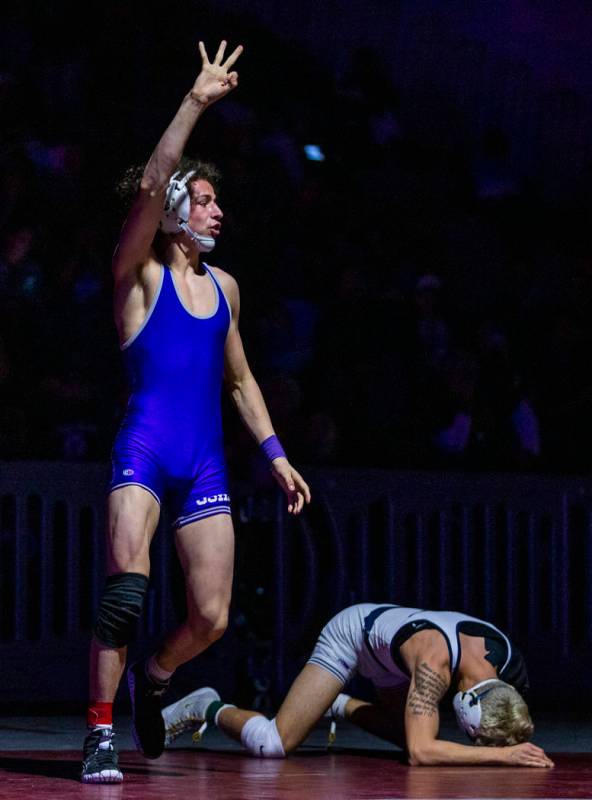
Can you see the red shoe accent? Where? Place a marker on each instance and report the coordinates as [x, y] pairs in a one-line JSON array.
[[99, 714]]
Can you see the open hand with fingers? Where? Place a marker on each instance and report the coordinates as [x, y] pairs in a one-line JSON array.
[[528, 755], [216, 78], [292, 483]]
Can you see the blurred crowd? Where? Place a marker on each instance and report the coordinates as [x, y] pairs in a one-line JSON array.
[[403, 305]]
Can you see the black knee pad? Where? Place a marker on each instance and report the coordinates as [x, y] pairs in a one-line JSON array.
[[120, 607]]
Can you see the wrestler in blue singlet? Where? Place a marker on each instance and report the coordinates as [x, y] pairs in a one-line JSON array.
[[171, 436]]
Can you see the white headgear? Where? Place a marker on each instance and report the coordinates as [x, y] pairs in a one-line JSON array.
[[175, 215], [467, 707]]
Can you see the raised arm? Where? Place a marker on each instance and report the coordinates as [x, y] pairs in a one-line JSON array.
[[429, 683], [215, 80], [250, 404]]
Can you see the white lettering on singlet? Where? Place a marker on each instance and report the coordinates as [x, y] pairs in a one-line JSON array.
[[215, 498]]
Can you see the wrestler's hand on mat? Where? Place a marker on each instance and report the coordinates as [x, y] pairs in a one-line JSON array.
[[215, 80], [527, 755], [292, 483]]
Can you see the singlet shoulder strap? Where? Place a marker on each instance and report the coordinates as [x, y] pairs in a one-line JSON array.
[[219, 288], [368, 623], [414, 626]]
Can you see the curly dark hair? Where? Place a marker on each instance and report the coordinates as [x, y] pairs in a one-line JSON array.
[[129, 183]]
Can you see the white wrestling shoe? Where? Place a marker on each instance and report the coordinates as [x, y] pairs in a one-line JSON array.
[[188, 713]]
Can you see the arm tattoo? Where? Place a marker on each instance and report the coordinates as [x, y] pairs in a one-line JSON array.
[[429, 689]]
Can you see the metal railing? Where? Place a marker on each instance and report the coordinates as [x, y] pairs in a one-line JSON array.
[[516, 550]]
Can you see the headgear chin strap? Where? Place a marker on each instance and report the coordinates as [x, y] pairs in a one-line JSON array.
[[176, 212], [467, 707], [205, 244]]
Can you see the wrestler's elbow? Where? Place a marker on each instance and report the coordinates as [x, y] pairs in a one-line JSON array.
[[238, 384], [157, 173], [152, 185], [235, 389], [421, 755], [414, 758]]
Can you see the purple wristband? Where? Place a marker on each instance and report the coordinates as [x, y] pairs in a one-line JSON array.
[[272, 448]]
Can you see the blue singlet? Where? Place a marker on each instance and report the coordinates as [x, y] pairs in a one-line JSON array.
[[171, 436]]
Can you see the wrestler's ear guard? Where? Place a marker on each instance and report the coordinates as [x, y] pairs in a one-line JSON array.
[[467, 707], [175, 214], [177, 203]]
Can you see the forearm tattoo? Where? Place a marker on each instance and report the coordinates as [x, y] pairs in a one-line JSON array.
[[429, 689]]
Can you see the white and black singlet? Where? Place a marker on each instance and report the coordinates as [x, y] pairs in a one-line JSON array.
[[367, 638]]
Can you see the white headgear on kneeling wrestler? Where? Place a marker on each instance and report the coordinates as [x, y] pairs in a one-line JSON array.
[[175, 214], [467, 707]]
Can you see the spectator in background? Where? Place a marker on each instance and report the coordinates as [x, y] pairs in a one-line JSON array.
[[321, 441], [24, 322], [432, 331], [390, 184], [494, 178], [506, 425], [21, 276], [455, 395], [287, 328], [362, 372], [487, 417], [15, 176], [561, 341]]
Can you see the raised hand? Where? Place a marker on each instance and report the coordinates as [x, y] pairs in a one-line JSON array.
[[215, 80]]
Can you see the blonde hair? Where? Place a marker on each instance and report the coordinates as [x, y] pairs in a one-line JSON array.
[[505, 719]]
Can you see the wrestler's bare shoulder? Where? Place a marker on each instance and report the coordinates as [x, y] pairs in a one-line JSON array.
[[428, 644], [145, 273], [150, 270], [227, 282], [223, 277], [134, 293]]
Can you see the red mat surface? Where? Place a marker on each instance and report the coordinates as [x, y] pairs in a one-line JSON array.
[[232, 776]]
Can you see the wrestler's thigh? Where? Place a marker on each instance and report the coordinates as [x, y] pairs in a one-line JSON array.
[[132, 517], [311, 694], [206, 553]]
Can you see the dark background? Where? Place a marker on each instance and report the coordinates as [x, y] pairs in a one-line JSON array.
[[420, 299]]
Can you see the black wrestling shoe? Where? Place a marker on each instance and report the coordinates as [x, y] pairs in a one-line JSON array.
[[148, 724], [99, 763]]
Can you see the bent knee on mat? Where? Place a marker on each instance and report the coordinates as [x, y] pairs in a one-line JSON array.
[[261, 738]]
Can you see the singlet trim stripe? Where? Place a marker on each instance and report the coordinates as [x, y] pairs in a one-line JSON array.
[[210, 512], [221, 291], [216, 291], [135, 483], [135, 335], [369, 621], [327, 666], [225, 509]]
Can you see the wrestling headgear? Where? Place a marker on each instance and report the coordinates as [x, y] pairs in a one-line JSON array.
[[467, 707], [176, 211]]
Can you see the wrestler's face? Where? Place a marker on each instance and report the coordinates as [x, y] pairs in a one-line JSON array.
[[205, 215]]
